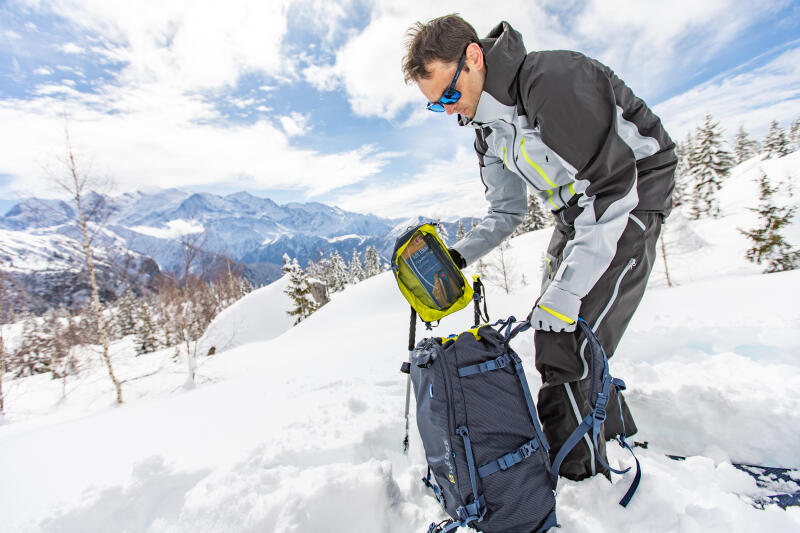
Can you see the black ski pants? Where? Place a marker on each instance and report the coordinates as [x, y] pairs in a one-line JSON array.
[[562, 358]]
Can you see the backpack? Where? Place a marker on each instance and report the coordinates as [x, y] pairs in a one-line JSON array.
[[488, 459]]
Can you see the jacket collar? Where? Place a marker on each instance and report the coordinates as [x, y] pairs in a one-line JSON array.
[[504, 53]]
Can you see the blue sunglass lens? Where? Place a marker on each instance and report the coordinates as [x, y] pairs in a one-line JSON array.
[[450, 96]]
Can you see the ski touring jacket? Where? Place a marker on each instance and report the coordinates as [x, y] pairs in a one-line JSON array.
[[565, 126]]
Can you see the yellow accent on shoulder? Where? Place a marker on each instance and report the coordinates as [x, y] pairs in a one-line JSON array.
[[558, 315]]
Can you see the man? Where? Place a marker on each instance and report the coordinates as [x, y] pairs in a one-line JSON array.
[[568, 128]]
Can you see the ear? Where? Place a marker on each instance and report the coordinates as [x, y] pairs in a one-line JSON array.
[[475, 56]]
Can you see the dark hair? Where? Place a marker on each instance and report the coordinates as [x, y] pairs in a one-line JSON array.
[[443, 38]]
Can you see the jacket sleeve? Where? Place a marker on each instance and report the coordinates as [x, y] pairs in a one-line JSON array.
[[508, 202], [572, 100]]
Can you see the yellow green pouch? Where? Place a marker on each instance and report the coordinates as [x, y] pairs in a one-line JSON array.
[[427, 275]]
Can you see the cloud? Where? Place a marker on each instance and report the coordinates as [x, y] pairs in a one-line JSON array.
[[646, 46], [152, 138], [752, 97], [295, 124], [151, 121], [445, 188], [71, 48], [11, 35]]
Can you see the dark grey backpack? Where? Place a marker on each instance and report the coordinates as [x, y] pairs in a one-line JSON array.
[[488, 460]]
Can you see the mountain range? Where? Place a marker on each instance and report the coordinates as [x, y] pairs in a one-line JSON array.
[[148, 233]]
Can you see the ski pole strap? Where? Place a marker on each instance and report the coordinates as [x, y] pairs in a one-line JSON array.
[[478, 294]]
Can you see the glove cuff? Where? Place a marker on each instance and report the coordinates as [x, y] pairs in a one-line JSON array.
[[457, 258]]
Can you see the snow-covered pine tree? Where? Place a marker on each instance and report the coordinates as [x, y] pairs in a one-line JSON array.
[[356, 270], [145, 334], [682, 175], [442, 232], [300, 293], [535, 218], [372, 262], [794, 136], [287, 265], [245, 287], [769, 245], [337, 277], [709, 162], [126, 322], [460, 231], [743, 146], [776, 143]]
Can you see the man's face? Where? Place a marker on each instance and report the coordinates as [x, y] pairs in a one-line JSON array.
[[469, 84]]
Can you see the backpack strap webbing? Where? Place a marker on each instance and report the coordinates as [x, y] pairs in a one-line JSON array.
[[601, 383]]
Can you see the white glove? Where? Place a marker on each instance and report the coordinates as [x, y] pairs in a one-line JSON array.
[[557, 310]]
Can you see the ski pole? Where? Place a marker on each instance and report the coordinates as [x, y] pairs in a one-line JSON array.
[[479, 293], [412, 333]]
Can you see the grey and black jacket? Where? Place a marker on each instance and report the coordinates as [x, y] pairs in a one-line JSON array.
[[565, 126]]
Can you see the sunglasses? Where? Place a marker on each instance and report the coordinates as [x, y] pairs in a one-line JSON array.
[[450, 95]]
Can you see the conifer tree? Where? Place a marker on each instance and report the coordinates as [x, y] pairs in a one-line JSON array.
[[460, 233], [794, 136], [287, 265], [776, 143], [145, 334], [442, 232], [337, 277], [743, 146], [372, 262], [535, 218], [710, 162], [245, 287], [126, 322], [769, 245], [356, 270], [300, 293], [680, 193]]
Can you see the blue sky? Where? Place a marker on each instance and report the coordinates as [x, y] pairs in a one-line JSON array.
[[303, 100]]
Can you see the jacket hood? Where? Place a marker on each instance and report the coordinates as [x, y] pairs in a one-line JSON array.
[[504, 53]]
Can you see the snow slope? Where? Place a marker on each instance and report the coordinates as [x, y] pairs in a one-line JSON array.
[[259, 316], [302, 432]]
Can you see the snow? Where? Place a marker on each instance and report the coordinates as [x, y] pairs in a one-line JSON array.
[[350, 236], [300, 429], [259, 316]]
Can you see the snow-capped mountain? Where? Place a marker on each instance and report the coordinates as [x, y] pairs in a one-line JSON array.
[[255, 232]]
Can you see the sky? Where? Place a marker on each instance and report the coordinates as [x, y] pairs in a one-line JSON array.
[[303, 100]]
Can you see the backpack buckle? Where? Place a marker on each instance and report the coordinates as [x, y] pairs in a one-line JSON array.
[[506, 461]]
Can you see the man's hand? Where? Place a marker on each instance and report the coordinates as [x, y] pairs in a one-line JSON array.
[[557, 310]]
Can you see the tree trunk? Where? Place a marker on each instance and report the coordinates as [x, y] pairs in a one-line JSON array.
[[664, 256], [87, 248]]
